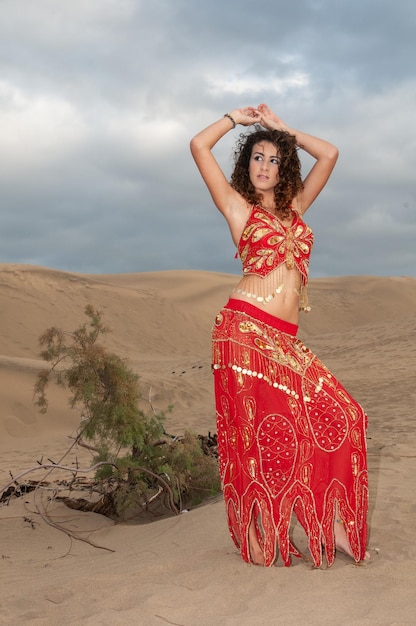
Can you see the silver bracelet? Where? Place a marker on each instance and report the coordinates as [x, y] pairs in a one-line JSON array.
[[230, 118]]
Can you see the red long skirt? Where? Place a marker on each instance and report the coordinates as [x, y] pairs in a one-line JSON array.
[[290, 439]]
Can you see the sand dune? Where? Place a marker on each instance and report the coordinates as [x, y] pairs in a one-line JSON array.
[[184, 570]]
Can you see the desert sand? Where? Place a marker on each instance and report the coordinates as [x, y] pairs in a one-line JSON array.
[[184, 570]]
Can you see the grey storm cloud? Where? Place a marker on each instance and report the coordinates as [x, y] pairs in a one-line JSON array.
[[99, 100]]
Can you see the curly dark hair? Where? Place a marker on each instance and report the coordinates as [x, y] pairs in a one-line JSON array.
[[290, 180]]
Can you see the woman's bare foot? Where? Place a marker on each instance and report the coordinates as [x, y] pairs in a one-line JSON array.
[[256, 553], [341, 541]]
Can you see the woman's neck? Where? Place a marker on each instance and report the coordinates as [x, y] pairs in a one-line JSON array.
[[268, 202]]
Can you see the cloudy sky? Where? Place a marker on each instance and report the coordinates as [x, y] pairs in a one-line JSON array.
[[99, 99]]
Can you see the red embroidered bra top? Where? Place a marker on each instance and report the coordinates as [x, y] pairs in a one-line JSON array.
[[275, 253]]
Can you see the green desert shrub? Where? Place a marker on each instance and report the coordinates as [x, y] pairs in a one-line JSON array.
[[142, 469]]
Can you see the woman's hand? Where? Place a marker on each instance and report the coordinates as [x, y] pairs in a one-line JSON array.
[[270, 120], [246, 116]]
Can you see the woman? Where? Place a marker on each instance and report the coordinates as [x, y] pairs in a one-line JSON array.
[[290, 437]]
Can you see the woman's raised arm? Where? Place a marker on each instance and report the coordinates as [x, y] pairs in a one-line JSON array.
[[223, 195], [324, 152]]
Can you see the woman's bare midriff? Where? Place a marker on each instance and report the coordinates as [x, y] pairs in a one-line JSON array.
[[286, 309], [284, 302]]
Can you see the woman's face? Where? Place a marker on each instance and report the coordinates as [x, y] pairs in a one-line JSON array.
[[263, 167]]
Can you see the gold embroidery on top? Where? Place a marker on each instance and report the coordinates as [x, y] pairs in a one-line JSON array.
[[286, 243], [267, 246]]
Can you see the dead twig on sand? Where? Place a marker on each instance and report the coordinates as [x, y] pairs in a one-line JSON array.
[[164, 487]]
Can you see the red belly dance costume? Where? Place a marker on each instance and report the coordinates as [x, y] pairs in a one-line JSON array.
[[290, 437]]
